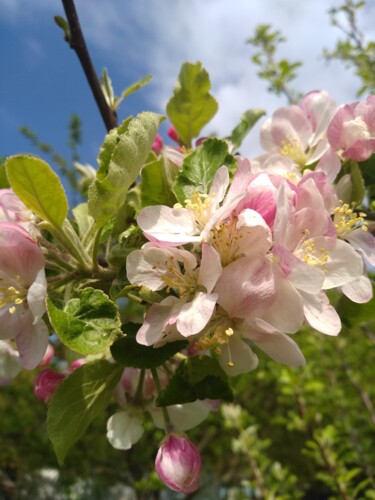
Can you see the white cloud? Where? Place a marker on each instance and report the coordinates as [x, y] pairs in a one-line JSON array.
[[142, 36]]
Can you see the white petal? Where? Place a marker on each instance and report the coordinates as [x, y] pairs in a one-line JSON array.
[[36, 296], [280, 347], [359, 290], [195, 315], [32, 344], [183, 417], [240, 354], [10, 364], [124, 430], [321, 315], [210, 268], [344, 264]]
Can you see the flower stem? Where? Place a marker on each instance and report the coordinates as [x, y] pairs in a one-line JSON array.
[[167, 420]]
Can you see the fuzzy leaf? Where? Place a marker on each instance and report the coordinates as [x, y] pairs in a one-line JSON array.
[[76, 402], [192, 106], [37, 185], [120, 160], [199, 168], [155, 187], [89, 324]]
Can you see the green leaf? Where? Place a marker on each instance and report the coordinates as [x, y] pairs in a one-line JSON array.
[[89, 324], [132, 88], [155, 186], [192, 106], [83, 218], [196, 378], [353, 314], [76, 402], [248, 120], [358, 185], [107, 88], [128, 352], [4, 183], [120, 160], [199, 168], [37, 185]]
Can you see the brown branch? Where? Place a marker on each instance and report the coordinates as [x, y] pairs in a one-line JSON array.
[[78, 44]]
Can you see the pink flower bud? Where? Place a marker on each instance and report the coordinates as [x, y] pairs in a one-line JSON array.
[[200, 141], [157, 145], [46, 383], [178, 464], [172, 133], [76, 364]]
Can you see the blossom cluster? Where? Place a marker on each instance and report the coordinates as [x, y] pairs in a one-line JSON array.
[[252, 260]]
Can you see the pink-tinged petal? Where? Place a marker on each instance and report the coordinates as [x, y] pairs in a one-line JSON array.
[[306, 278], [124, 430], [240, 180], [255, 237], [195, 315], [344, 264], [286, 313], [336, 126], [318, 108], [20, 255], [237, 357], [219, 185], [246, 287], [32, 344], [290, 125], [364, 243], [321, 315], [156, 319], [359, 290], [321, 147], [165, 224], [279, 347], [183, 417], [13, 324], [330, 164], [210, 268], [360, 150], [284, 211], [36, 296]]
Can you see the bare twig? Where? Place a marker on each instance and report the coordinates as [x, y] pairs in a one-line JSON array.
[[78, 44]]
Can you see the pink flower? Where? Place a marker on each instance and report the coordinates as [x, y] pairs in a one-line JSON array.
[[352, 130], [46, 383], [48, 356], [299, 132], [13, 210], [22, 293], [178, 464], [158, 268]]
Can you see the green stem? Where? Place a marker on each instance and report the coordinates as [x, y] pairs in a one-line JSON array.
[[167, 420], [138, 393], [95, 249]]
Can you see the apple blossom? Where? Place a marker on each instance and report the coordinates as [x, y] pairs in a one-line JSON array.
[[299, 132], [178, 464], [22, 293], [352, 130]]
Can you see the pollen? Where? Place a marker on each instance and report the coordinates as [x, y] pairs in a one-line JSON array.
[[200, 205], [293, 149], [10, 296], [313, 256], [346, 219]]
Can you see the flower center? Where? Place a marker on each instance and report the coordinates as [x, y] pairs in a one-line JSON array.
[[12, 293], [200, 206], [170, 272], [345, 219], [293, 150], [226, 239], [313, 256]]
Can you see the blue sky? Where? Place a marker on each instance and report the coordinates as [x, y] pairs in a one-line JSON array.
[[42, 83]]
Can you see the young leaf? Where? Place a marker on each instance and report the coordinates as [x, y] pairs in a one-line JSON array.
[[37, 185], [199, 168], [155, 186], [128, 352], [120, 161], [76, 402], [248, 120], [132, 88], [191, 106], [89, 324]]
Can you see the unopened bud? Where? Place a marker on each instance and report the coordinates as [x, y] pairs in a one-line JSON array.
[[46, 383], [178, 464]]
